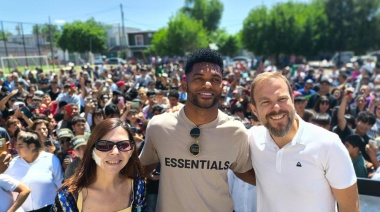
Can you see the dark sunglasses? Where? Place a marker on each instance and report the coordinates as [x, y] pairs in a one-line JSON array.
[[325, 103], [62, 140], [106, 146], [194, 148]]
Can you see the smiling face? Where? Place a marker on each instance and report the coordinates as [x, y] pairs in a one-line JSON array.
[[113, 161], [273, 106], [204, 85]]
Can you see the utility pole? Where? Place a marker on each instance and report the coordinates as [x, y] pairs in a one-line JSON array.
[[51, 43], [122, 30]]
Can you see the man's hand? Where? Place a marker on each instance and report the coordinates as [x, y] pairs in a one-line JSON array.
[[5, 158], [14, 92]]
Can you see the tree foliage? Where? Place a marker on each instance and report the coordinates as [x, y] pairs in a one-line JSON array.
[[207, 11], [83, 36], [313, 28], [4, 35], [182, 35], [228, 44], [44, 32], [353, 24]]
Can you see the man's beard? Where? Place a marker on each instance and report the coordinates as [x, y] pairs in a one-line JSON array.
[[194, 100], [283, 130]]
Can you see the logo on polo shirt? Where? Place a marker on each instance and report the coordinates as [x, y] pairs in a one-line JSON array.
[[299, 164]]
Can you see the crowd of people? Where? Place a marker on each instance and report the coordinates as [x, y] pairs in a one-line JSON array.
[[192, 135]]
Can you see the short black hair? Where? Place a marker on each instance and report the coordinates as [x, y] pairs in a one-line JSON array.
[[355, 141], [366, 117], [77, 119], [322, 119], [174, 93], [203, 55], [111, 110]]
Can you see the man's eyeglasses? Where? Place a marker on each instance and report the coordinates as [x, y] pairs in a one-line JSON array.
[[106, 146], [194, 148]]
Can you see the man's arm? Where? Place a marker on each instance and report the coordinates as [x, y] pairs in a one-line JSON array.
[[348, 198], [342, 122], [248, 177], [24, 192]]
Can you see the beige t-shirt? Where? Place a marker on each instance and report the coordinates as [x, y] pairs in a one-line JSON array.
[[195, 183]]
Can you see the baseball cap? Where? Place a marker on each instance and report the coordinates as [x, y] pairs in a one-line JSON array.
[[65, 133], [299, 98], [309, 81], [120, 83], [79, 140], [325, 79], [39, 93]]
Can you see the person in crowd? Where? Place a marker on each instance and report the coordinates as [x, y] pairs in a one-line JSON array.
[[355, 143], [7, 186], [79, 145], [97, 117], [69, 95], [147, 110], [300, 104], [79, 125], [324, 89], [360, 105], [174, 104], [323, 120], [207, 134], [111, 111], [338, 93], [364, 121], [142, 79], [37, 169], [54, 90], [110, 173], [322, 105], [286, 145], [307, 91], [65, 155]]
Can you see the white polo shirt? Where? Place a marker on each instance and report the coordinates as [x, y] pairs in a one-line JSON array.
[[298, 176]]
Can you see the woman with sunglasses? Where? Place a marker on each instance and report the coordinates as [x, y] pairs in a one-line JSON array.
[[323, 105], [37, 169], [109, 177]]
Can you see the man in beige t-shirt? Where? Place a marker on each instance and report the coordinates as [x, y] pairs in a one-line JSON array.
[[197, 145]]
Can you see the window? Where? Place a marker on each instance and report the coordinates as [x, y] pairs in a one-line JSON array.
[[139, 40]]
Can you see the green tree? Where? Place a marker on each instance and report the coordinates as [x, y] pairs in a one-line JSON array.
[[228, 44], [83, 36], [285, 29], [44, 32], [352, 24], [4, 35], [207, 11], [182, 35]]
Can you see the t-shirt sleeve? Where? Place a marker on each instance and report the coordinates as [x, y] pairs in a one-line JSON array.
[[7, 183], [148, 154], [57, 172], [243, 161], [339, 168]]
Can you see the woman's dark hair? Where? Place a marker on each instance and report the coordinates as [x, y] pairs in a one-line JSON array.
[[30, 137], [85, 174], [98, 112], [321, 99], [204, 55]]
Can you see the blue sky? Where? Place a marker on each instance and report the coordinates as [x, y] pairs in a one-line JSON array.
[[143, 14]]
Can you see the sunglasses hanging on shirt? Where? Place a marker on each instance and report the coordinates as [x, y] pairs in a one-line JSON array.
[[194, 148]]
